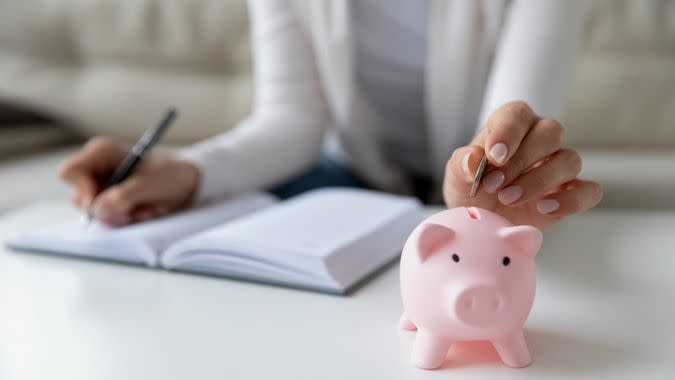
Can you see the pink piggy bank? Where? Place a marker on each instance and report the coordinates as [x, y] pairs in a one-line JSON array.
[[468, 274]]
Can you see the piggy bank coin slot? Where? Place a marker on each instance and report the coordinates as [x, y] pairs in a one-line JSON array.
[[473, 213]]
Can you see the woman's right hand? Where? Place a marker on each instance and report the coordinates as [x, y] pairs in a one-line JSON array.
[[159, 186]]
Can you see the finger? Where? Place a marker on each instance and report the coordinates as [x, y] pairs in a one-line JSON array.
[[80, 202], [140, 189], [111, 219], [544, 139], [77, 200], [562, 167], [462, 166], [116, 203], [86, 189], [504, 131], [148, 212], [576, 197], [459, 174], [98, 155]]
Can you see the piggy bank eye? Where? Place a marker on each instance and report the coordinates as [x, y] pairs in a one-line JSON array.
[[455, 258], [506, 261]]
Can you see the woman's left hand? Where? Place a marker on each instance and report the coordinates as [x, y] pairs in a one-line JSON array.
[[531, 178]]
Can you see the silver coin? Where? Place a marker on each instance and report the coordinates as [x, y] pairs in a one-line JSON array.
[[479, 175]]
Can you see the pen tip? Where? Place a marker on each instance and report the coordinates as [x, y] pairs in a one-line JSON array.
[[87, 217]]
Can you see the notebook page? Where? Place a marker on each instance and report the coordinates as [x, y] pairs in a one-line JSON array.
[[141, 242], [161, 233], [301, 232], [315, 224]]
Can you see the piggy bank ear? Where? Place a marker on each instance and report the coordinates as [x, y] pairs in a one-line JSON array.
[[526, 239], [432, 237]]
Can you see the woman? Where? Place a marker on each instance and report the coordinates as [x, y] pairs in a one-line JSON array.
[[402, 84]]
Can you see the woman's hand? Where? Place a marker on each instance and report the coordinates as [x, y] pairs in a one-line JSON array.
[[159, 186], [531, 178]]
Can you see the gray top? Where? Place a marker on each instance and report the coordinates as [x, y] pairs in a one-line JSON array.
[[391, 46]]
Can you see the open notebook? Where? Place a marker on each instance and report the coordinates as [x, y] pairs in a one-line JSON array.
[[325, 240]]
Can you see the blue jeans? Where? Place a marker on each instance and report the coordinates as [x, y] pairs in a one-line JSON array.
[[327, 173]]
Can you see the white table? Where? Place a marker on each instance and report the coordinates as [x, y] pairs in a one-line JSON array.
[[604, 310]]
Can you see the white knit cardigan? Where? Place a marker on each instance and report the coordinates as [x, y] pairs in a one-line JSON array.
[[481, 54]]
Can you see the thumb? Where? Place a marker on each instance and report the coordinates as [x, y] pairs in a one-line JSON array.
[[459, 175], [462, 167], [86, 189], [115, 205]]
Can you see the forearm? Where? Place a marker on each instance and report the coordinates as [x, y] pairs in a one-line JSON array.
[[284, 134], [255, 155], [535, 56]]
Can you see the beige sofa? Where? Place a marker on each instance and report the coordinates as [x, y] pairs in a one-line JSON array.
[[110, 67]]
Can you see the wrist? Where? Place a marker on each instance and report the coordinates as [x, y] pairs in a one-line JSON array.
[[190, 177]]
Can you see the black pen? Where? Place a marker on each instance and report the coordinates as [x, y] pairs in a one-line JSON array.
[[131, 161]]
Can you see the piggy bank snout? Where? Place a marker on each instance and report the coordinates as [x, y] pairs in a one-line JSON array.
[[480, 306]]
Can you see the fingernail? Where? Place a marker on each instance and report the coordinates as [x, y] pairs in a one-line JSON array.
[[145, 216], [492, 181], [547, 206], [465, 163], [107, 218], [102, 212], [499, 152], [510, 194], [86, 202]]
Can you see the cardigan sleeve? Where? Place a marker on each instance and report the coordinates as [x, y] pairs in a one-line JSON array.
[[535, 56], [283, 134]]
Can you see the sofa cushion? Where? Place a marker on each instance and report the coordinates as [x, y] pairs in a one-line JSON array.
[[112, 67], [637, 178], [623, 92], [623, 100], [27, 138]]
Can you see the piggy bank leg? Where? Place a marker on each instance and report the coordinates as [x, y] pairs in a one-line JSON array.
[[429, 351], [513, 350], [406, 324]]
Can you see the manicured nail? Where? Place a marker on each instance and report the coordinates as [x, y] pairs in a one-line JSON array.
[[510, 194], [492, 181], [465, 163], [107, 215], [86, 202], [144, 216], [102, 212], [499, 152], [547, 206]]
